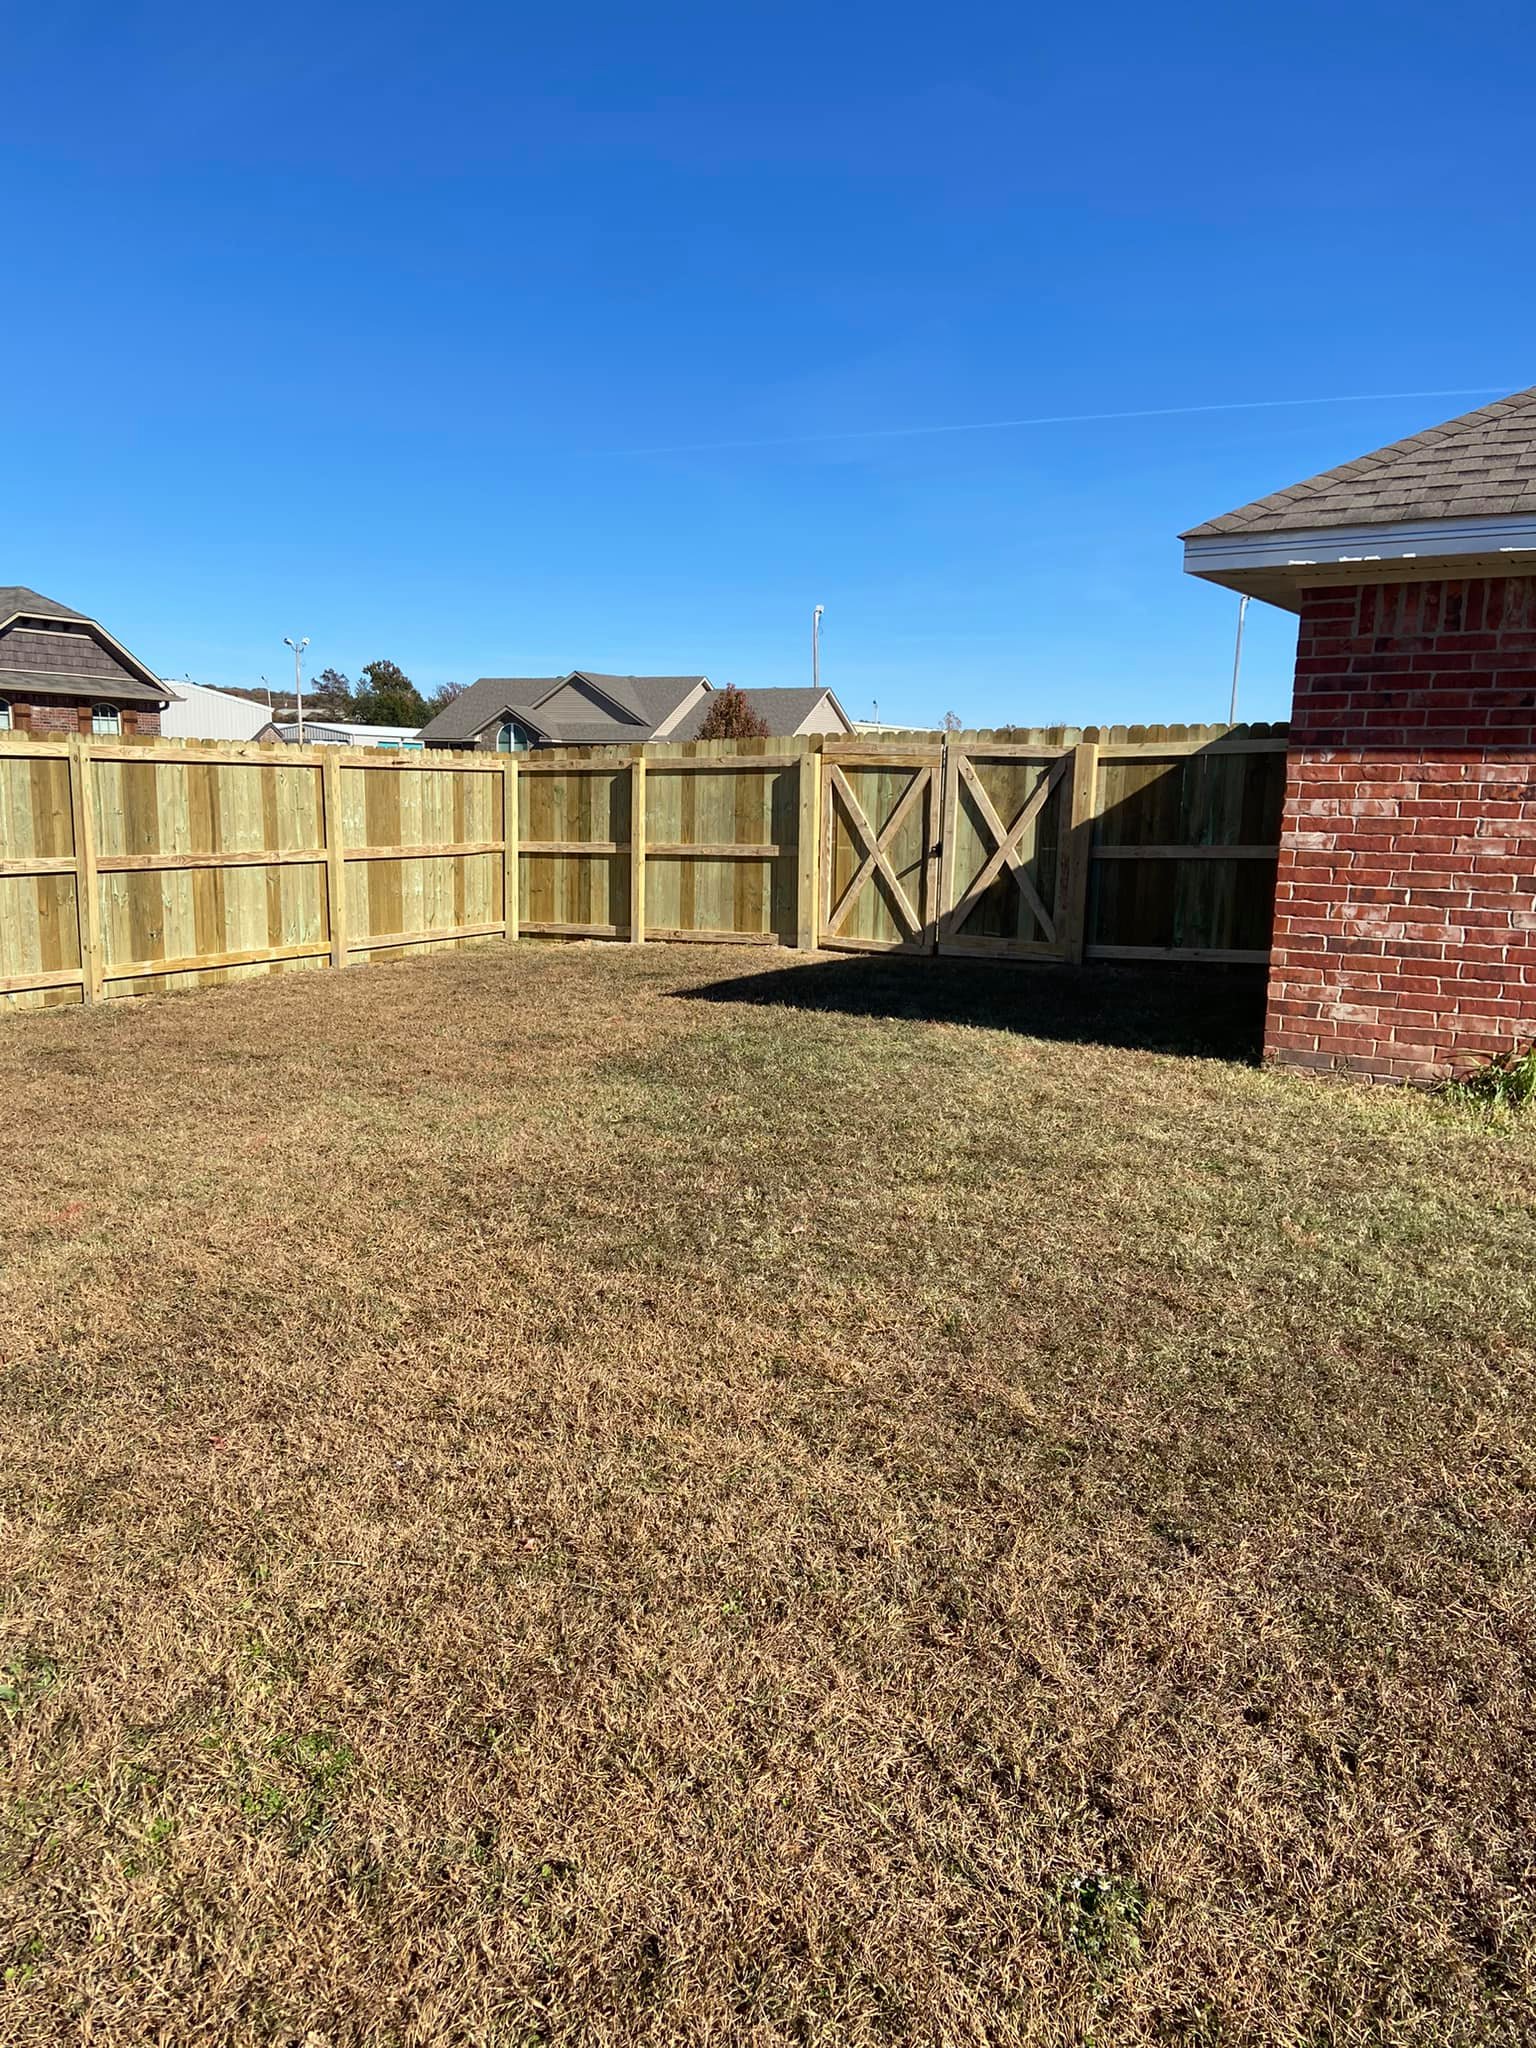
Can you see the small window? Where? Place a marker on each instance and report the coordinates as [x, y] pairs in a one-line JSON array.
[[105, 719], [513, 738], [5, 715]]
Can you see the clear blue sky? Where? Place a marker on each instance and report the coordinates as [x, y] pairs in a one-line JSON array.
[[369, 322]]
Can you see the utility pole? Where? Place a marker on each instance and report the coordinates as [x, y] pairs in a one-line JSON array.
[[1237, 657], [298, 647], [816, 646]]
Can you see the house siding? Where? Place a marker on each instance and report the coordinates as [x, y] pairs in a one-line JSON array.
[[56, 717], [1405, 925]]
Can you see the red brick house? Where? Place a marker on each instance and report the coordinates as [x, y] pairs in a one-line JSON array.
[[61, 672], [1405, 919]]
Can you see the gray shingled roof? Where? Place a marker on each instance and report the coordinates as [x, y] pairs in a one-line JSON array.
[[15, 597], [781, 710], [1479, 465], [647, 699], [118, 689]]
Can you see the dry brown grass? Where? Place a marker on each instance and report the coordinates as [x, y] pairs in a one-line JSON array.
[[539, 1511]]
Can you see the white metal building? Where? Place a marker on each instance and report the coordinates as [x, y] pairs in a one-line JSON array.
[[198, 713], [341, 732]]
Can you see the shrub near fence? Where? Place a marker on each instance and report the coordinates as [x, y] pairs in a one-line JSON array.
[[128, 867]]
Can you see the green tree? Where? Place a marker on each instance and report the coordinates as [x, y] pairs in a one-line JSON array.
[[731, 717], [331, 693], [385, 695]]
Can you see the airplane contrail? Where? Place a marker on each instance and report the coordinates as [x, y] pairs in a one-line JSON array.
[[1045, 419]]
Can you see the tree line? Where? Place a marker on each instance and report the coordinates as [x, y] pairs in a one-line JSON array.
[[382, 695]]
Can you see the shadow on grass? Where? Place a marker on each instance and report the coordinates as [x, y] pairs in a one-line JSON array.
[[1196, 1010]]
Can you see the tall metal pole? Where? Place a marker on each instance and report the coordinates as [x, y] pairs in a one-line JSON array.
[[1237, 657], [298, 647], [816, 645]]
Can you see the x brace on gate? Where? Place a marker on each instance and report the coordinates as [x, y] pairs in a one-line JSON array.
[[876, 854], [1005, 852]]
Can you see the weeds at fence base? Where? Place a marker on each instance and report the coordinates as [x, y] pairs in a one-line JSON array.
[[1507, 1082]]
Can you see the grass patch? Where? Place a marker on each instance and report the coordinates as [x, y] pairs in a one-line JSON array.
[[547, 1501]]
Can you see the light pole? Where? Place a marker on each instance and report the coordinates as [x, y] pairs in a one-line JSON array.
[[1237, 657], [298, 647], [816, 646]]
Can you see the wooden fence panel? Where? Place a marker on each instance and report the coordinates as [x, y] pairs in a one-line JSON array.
[[1185, 849], [40, 963], [130, 867], [743, 819], [573, 839]]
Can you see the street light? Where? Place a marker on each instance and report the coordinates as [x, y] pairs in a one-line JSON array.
[[298, 647], [816, 645]]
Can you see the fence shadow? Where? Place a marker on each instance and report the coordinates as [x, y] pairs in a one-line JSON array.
[[1184, 1008]]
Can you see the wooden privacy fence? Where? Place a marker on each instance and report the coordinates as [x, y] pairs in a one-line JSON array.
[[127, 867]]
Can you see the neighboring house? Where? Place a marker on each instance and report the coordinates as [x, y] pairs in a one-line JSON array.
[[198, 713], [786, 713], [341, 732], [510, 714], [61, 672]]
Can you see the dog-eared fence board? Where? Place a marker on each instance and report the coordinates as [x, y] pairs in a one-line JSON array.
[[128, 866]]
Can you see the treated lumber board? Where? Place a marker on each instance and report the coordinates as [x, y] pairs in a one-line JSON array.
[[1233, 956], [52, 864], [637, 851], [42, 977], [1079, 849], [448, 850], [715, 938], [82, 809], [335, 860], [379, 942], [556, 847], [731, 849], [511, 879], [1185, 852], [207, 963], [258, 857], [807, 866], [549, 930]]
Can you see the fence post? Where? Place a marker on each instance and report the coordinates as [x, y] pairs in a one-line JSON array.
[[1085, 803], [637, 851], [949, 813], [808, 867], [335, 853], [511, 866], [82, 817]]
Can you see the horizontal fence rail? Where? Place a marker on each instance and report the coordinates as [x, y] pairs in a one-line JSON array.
[[128, 867]]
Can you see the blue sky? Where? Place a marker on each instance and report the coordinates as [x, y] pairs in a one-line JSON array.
[[437, 333]]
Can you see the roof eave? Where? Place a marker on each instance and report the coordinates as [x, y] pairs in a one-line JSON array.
[[1277, 567]]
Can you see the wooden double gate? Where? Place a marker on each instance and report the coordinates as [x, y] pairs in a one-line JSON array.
[[1146, 850]]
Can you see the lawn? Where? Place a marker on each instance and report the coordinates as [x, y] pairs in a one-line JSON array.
[[604, 1495]]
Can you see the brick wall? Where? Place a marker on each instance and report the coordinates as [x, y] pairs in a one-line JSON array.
[[51, 717], [1405, 915]]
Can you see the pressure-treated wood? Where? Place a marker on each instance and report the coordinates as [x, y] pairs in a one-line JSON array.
[[637, 850], [336, 859], [87, 883], [132, 866]]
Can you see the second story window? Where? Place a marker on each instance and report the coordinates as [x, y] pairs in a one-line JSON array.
[[513, 738], [105, 720]]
